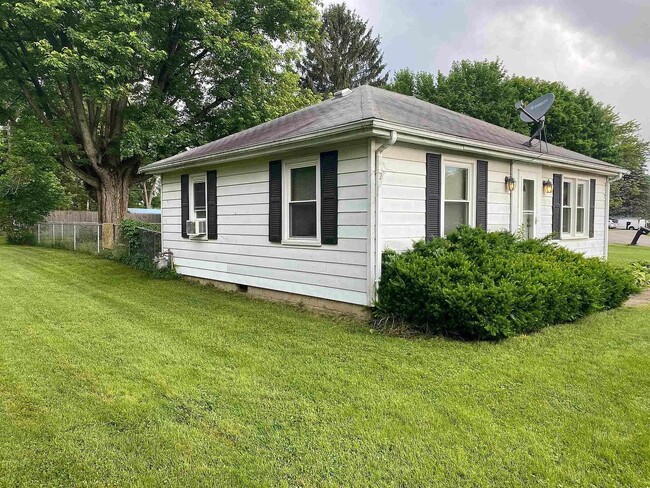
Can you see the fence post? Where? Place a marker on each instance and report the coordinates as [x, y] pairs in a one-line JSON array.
[[62, 236], [53, 235], [74, 236], [98, 240], [38, 233]]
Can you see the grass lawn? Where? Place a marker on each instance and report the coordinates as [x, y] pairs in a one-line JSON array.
[[623, 254], [108, 377]]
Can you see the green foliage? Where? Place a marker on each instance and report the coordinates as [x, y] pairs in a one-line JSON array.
[[478, 285], [344, 55], [29, 187], [122, 83], [641, 273], [139, 243]]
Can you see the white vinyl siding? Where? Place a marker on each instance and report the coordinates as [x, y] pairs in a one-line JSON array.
[[242, 254], [402, 200], [595, 246]]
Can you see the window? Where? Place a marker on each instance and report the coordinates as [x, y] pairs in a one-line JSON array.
[[303, 201], [574, 207], [580, 207], [199, 209], [567, 211], [457, 196]]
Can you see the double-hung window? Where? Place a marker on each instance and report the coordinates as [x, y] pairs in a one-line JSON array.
[[302, 207], [199, 208], [575, 195], [458, 196]]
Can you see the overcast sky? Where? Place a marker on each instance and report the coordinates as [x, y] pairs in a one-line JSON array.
[[601, 45]]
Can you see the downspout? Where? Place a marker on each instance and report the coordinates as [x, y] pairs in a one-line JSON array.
[[378, 175], [609, 181]]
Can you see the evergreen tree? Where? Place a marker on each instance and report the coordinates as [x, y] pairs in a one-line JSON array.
[[345, 54]]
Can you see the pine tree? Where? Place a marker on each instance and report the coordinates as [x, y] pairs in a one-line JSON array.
[[345, 55]]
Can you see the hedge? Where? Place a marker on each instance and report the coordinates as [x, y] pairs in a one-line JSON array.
[[479, 285]]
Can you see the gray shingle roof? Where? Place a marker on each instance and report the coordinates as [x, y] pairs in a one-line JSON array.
[[369, 103]]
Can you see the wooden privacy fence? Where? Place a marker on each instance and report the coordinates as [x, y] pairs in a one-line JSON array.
[[83, 216]]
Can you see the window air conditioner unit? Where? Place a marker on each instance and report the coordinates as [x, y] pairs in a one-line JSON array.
[[196, 228]]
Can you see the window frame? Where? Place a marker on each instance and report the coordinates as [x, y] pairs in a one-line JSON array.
[[198, 178], [573, 233], [471, 190], [286, 202]]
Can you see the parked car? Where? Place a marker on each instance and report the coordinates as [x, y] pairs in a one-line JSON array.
[[627, 223]]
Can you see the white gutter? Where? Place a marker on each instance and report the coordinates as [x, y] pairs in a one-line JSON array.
[[378, 174], [342, 133], [382, 129], [419, 136]]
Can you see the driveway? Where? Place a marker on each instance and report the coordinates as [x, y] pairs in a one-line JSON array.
[[617, 236]]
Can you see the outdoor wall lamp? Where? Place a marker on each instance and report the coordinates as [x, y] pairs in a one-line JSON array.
[[510, 183], [548, 186]]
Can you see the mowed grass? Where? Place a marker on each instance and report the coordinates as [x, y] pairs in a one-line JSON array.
[[110, 378], [624, 254]]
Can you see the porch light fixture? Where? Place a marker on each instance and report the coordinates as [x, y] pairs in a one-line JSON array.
[[548, 186], [510, 183]]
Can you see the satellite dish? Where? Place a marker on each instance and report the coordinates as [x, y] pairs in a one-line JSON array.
[[535, 110], [534, 113]]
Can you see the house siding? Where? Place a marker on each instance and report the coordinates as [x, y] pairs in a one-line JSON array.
[[402, 198], [592, 247], [243, 254], [402, 194]]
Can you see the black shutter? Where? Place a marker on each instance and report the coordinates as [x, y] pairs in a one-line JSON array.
[[432, 226], [185, 204], [275, 201], [592, 207], [329, 197], [556, 227], [211, 181], [481, 194]]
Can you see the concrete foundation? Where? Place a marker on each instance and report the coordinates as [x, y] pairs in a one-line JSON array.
[[320, 305]]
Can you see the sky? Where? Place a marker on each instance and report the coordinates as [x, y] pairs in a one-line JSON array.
[[600, 45]]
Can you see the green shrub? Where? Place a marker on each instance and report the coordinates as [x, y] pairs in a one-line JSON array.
[[479, 285], [641, 273], [20, 235], [138, 245]]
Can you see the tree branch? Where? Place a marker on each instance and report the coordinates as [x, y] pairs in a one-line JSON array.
[[87, 139]]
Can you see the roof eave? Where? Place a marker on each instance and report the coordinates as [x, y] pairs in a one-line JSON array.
[[419, 136], [342, 133], [381, 129]]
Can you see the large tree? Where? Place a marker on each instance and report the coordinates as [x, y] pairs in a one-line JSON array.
[[345, 54], [122, 82]]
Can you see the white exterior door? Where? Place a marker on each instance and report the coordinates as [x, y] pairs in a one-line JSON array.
[[527, 202]]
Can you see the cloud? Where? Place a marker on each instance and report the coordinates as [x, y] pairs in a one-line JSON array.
[[599, 46], [539, 41]]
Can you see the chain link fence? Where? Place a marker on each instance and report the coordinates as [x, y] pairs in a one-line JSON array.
[[81, 236], [89, 237]]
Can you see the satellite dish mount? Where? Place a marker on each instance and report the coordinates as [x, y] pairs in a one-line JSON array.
[[535, 112]]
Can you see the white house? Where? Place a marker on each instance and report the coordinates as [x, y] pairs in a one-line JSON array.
[[304, 205]]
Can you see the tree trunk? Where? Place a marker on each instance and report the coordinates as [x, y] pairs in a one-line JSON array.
[[113, 200]]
